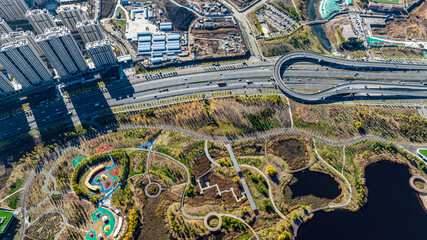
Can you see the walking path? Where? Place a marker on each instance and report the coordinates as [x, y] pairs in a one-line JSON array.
[[269, 190], [247, 225], [209, 156], [329, 206], [271, 133], [242, 179], [290, 113], [148, 158], [12, 194], [408, 147]]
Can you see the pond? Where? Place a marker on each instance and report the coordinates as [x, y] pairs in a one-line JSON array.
[[392, 212], [319, 184]]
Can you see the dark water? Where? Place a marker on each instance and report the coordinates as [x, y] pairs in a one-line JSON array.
[[318, 29], [392, 212], [318, 184]]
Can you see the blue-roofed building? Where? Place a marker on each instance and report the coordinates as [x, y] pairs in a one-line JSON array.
[[156, 60], [167, 26], [159, 38], [159, 48], [144, 39], [139, 10], [145, 33], [173, 47], [172, 37], [173, 42]]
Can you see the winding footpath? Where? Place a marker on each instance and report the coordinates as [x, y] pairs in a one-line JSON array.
[[208, 138], [49, 176], [328, 206]]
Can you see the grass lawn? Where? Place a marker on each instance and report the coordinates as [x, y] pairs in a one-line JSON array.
[[121, 25], [387, 1], [13, 200], [5, 218], [424, 152]]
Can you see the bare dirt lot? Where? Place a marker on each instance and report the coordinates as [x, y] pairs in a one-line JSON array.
[[216, 38], [220, 30], [242, 4], [180, 17], [107, 7], [207, 49], [398, 28]]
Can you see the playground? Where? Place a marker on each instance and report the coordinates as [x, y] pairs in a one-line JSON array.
[[77, 160], [103, 178], [103, 224]]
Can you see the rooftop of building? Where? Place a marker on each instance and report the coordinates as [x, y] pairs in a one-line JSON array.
[[52, 33], [98, 43]]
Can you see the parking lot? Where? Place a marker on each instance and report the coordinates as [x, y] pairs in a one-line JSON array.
[[278, 23]]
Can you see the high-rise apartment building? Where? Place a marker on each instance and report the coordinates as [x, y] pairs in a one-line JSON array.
[[5, 85], [4, 28], [42, 2], [62, 51], [70, 15], [21, 61], [17, 36], [13, 10], [40, 20], [101, 53], [90, 31]]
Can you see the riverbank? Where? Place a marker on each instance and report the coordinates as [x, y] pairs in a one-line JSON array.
[[318, 30]]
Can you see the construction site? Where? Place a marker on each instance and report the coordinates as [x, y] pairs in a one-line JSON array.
[[216, 37]]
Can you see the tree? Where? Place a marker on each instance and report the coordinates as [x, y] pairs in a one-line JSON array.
[[271, 171], [285, 236]]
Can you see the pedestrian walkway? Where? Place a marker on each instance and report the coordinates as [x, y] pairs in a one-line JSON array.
[[242, 179]]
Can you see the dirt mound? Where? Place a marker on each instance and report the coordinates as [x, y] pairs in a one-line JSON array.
[[181, 18], [292, 150]]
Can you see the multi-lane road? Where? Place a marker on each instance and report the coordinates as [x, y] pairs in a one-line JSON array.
[[411, 72], [331, 77]]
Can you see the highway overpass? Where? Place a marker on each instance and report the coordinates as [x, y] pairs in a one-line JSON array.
[[355, 87]]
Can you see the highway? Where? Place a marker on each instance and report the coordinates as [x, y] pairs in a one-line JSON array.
[[356, 87], [125, 93], [328, 78]]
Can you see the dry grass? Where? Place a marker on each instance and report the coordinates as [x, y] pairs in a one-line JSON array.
[[291, 43], [237, 116], [338, 122]]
